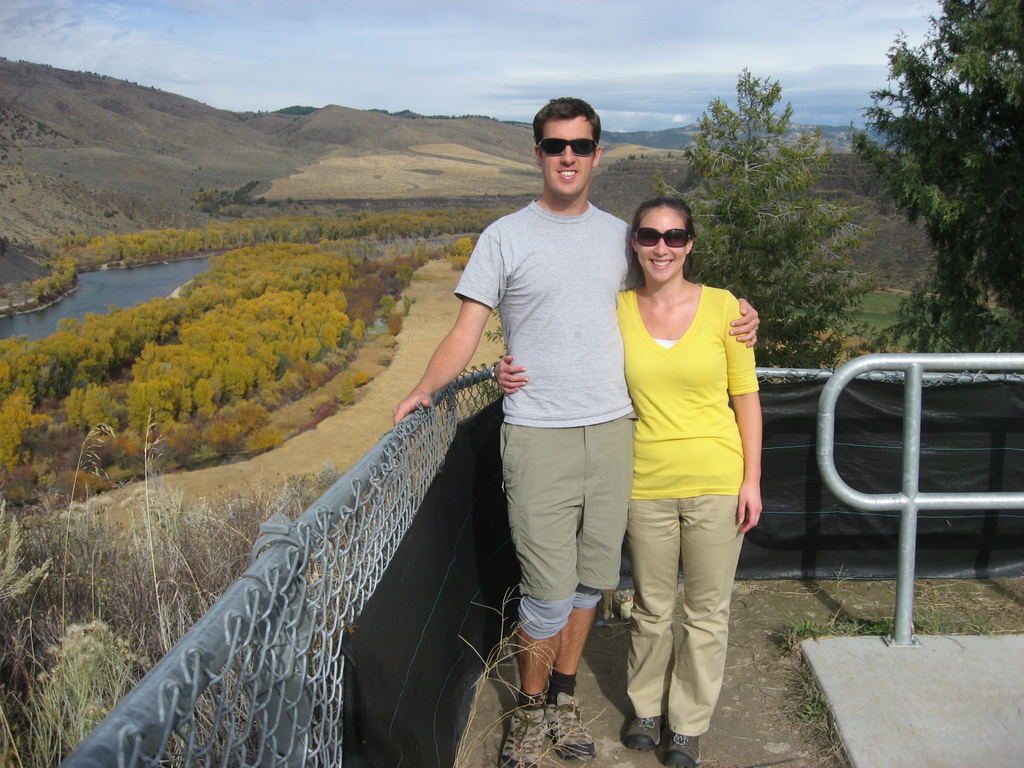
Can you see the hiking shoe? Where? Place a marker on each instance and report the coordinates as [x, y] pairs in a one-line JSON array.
[[683, 751], [567, 731], [643, 733], [526, 740]]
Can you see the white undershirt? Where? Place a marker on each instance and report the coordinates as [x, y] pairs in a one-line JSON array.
[[667, 343]]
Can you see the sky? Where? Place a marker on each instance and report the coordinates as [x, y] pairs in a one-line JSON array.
[[644, 65]]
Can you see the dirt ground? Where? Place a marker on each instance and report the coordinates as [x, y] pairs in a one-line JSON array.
[[764, 716]]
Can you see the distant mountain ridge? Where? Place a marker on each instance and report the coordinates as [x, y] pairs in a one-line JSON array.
[[87, 153], [120, 138], [840, 139], [136, 140]]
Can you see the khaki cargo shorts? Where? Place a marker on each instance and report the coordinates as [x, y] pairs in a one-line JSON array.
[[568, 495]]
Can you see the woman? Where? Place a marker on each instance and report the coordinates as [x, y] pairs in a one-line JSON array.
[[696, 478]]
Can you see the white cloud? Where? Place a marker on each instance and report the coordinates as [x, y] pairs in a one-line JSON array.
[[649, 64]]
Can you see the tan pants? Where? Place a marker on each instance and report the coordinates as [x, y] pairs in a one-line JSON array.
[[681, 676]]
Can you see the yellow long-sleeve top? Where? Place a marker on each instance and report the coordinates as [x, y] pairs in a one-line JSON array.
[[687, 441]]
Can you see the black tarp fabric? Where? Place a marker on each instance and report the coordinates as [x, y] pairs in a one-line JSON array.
[[443, 602], [972, 441], [418, 646]]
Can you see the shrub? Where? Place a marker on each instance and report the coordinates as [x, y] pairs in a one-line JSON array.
[[92, 670], [81, 484], [328, 474], [125, 451], [347, 394], [181, 443], [247, 415], [223, 436], [263, 439], [19, 485]]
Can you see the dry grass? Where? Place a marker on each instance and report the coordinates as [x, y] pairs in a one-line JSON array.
[[81, 630], [498, 669], [423, 171], [941, 607], [35, 206]]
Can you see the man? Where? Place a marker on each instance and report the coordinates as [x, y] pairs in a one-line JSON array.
[[553, 270]]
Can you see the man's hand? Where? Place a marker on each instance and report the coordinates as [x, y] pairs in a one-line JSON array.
[[449, 359], [745, 329], [509, 376], [412, 401]]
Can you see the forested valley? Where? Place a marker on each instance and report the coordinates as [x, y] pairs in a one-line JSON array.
[[183, 382]]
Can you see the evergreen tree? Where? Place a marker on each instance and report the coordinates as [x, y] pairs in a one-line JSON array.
[[951, 155], [762, 235]]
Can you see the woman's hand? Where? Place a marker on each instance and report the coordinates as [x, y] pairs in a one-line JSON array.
[[748, 508], [508, 376]]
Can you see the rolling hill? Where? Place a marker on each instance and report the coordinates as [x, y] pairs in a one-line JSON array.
[[86, 153]]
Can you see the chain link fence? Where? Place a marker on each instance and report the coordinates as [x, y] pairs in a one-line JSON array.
[[259, 679]]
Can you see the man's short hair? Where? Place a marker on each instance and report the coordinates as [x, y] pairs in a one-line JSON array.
[[566, 108]]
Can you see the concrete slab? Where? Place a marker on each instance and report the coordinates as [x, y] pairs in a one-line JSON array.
[[955, 701]]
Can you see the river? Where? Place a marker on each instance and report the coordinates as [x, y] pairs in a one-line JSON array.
[[97, 291]]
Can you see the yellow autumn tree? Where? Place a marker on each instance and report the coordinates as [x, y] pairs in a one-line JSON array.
[[16, 418]]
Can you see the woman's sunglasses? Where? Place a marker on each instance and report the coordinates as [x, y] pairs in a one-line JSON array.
[[580, 147], [674, 238]]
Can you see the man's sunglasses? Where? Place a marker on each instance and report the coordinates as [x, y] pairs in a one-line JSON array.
[[580, 147], [674, 238]]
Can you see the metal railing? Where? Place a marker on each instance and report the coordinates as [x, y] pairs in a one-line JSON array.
[[257, 681], [909, 499]]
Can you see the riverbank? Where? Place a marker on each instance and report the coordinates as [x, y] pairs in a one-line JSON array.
[[27, 306], [34, 306], [96, 291]]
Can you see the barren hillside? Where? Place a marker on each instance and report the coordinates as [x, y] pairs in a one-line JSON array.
[[118, 138], [84, 153], [34, 206]]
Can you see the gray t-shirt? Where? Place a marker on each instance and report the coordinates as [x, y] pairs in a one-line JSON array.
[[554, 280]]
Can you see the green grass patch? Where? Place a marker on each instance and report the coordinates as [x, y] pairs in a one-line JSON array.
[[928, 620], [879, 310]]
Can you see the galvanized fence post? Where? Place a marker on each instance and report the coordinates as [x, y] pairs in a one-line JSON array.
[[909, 500]]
